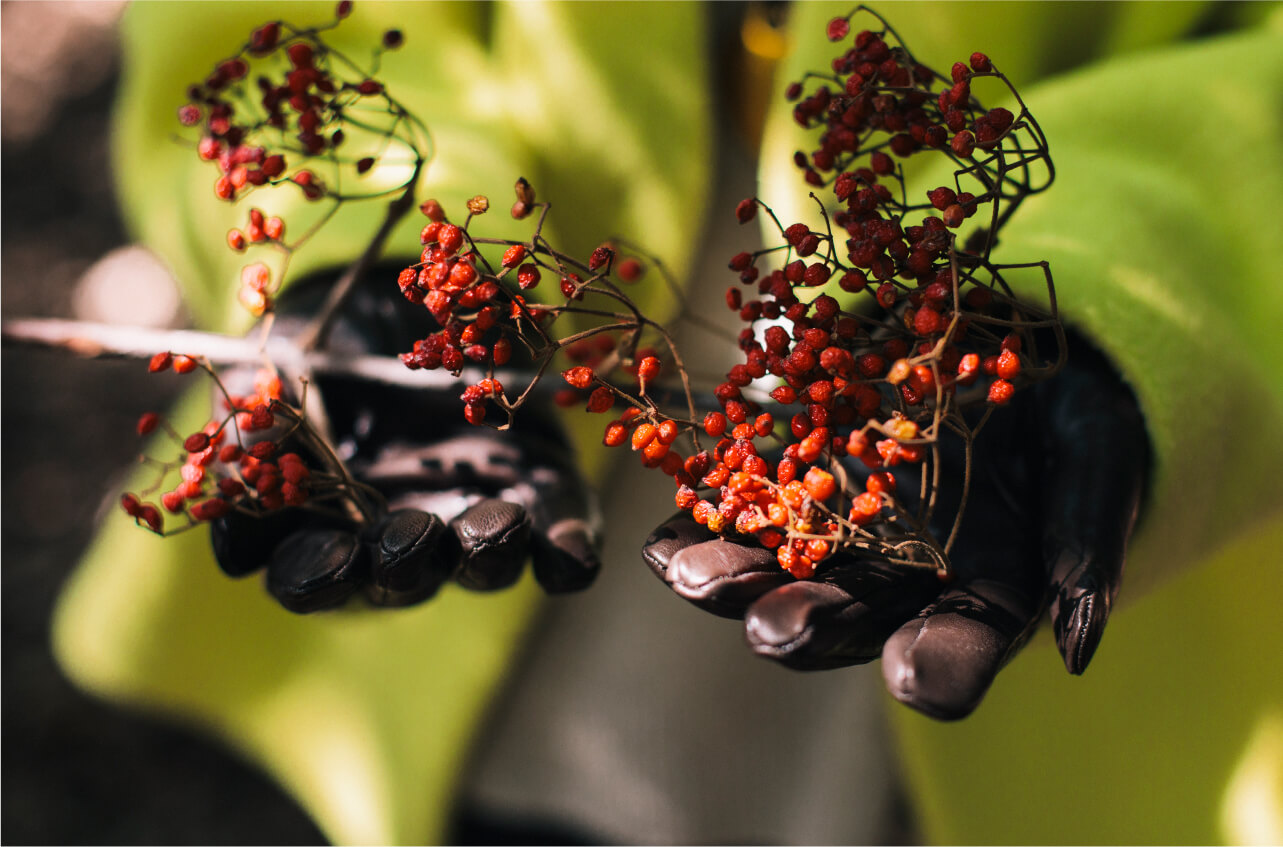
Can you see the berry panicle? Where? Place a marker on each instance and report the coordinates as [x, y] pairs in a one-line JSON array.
[[277, 114], [255, 456]]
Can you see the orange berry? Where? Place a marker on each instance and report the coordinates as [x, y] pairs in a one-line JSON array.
[[654, 450], [616, 434], [579, 377], [643, 435], [819, 484], [865, 508]]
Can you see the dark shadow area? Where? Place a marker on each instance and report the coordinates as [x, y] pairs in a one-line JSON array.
[[76, 770]]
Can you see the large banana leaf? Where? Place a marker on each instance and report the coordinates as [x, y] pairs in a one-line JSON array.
[[1169, 166], [365, 717], [1157, 254]]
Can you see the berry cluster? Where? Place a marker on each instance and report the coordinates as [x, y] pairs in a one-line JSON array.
[[253, 471], [911, 324], [866, 346], [486, 312], [311, 119]]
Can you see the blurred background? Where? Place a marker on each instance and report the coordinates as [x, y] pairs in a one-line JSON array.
[[74, 769]]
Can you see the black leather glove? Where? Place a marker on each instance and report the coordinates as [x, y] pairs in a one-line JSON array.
[[1056, 487], [463, 502]]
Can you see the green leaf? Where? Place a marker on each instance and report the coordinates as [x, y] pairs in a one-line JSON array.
[[1168, 179], [366, 717]]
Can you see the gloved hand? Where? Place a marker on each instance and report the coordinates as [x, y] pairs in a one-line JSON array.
[[1056, 486], [463, 502]]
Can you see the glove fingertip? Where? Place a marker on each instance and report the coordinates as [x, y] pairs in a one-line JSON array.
[[244, 544], [317, 569], [410, 558], [1079, 630], [494, 538], [942, 669], [565, 559]]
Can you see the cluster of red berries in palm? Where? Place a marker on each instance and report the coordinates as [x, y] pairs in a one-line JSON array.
[[281, 112], [910, 318], [235, 462]]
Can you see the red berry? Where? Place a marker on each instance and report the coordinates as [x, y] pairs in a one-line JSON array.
[[514, 255], [528, 276], [648, 368], [432, 210], [1008, 364], [838, 29], [261, 418], [654, 451], [579, 377], [212, 509], [616, 433], [629, 270], [1000, 392], [864, 508], [746, 210], [450, 237], [502, 351], [392, 39], [300, 54], [601, 399], [151, 516], [180, 363], [686, 498], [263, 39], [148, 422], [130, 504], [600, 258], [263, 450], [880, 482]]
